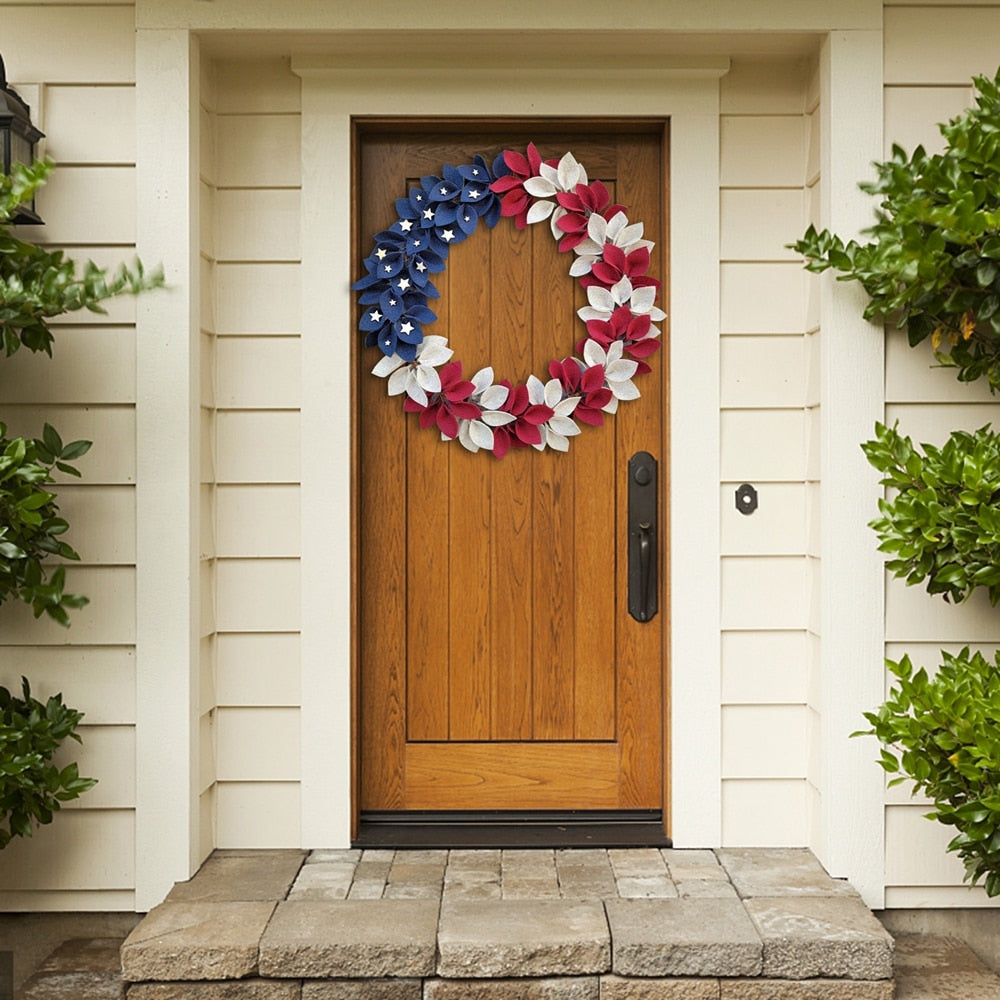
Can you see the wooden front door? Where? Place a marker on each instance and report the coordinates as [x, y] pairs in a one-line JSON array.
[[498, 666]]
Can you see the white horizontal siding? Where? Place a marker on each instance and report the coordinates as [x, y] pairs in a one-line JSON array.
[[111, 460], [764, 445], [98, 680], [88, 205], [102, 520], [763, 298], [254, 241], [257, 224], [82, 849], [65, 43], [256, 446], [258, 814], [765, 741], [764, 151], [940, 45], [765, 87], [77, 71], [765, 441], [258, 595], [258, 744], [777, 527], [251, 669], [258, 520], [108, 754], [765, 813], [770, 592], [257, 298], [109, 618], [90, 124], [89, 364], [763, 372], [765, 668], [260, 373]]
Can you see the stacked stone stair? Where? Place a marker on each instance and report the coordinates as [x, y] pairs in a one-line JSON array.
[[575, 924]]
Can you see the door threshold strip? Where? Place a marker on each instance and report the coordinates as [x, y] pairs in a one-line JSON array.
[[416, 830]]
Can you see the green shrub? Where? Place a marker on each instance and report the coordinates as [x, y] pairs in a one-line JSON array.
[[32, 788], [940, 523], [30, 525], [943, 733], [37, 284], [933, 264]]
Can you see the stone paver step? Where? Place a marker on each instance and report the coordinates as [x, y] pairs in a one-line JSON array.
[[623, 919], [928, 968]]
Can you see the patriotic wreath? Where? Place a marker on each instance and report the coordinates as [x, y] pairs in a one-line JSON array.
[[611, 261]]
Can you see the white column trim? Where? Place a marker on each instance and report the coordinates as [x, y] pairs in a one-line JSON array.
[[690, 98], [852, 399], [167, 330]]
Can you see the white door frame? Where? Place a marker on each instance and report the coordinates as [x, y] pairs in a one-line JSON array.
[[689, 97]]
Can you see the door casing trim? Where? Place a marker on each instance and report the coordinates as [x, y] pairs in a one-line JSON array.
[[330, 99]]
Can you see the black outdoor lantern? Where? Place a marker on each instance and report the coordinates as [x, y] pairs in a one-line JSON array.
[[17, 141]]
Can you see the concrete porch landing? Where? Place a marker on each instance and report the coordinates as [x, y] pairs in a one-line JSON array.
[[575, 924]]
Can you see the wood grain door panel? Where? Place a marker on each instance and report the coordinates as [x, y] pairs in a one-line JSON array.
[[498, 665]]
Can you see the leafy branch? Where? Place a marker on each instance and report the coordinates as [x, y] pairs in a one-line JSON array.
[[932, 266], [32, 789], [37, 284], [941, 733]]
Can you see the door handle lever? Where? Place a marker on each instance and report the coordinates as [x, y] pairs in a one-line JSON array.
[[645, 551], [642, 545]]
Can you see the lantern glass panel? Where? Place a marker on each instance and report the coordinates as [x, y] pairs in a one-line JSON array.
[[20, 149]]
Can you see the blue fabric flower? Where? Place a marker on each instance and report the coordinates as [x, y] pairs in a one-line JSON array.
[[397, 284], [395, 323]]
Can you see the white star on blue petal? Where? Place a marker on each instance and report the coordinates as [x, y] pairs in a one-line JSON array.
[[406, 225], [447, 235], [428, 213], [380, 253], [473, 193], [376, 316], [404, 283], [406, 327], [444, 190], [421, 266]]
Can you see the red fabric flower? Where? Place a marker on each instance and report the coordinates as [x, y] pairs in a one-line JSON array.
[[516, 201], [632, 330], [615, 264], [588, 383], [523, 432], [448, 406], [580, 205]]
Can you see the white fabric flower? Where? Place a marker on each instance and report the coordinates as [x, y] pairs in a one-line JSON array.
[[476, 434], [544, 187], [415, 378], [618, 371], [557, 430], [604, 301], [601, 231]]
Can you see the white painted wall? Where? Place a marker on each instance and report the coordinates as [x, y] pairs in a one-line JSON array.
[[240, 378], [766, 588], [83, 97]]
